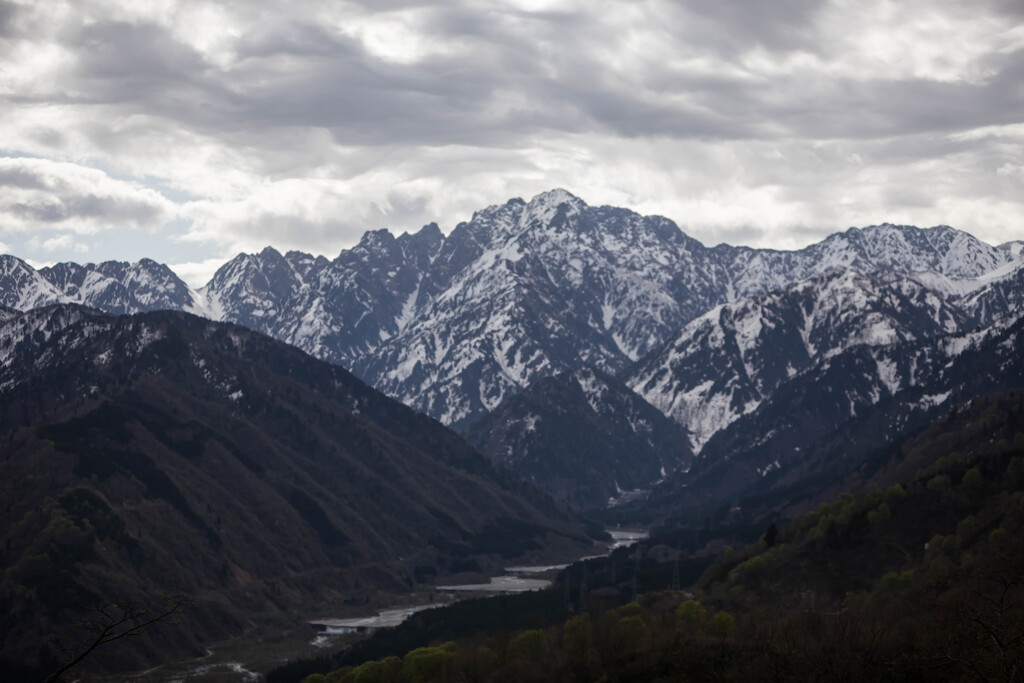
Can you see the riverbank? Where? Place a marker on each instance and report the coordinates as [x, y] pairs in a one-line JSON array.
[[515, 579], [248, 657]]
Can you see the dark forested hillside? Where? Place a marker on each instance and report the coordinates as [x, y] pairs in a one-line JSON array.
[[583, 437], [166, 453]]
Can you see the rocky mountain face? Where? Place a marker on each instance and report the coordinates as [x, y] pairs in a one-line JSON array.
[[584, 437], [524, 290], [858, 404], [165, 452], [528, 290], [335, 310], [113, 286], [799, 383], [23, 288], [785, 391], [118, 287], [723, 364]]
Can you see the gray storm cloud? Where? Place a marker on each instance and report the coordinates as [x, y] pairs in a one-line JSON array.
[[40, 193], [302, 125]]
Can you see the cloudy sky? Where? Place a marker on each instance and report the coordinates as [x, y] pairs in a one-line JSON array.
[[188, 131]]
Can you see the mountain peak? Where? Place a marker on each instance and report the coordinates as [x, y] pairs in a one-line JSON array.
[[1014, 248], [544, 207], [555, 197], [376, 238], [10, 261], [22, 287], [428, 237], [430, 230]]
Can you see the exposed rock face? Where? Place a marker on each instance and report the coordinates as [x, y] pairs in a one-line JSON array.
[[854, 405], [723, 364]]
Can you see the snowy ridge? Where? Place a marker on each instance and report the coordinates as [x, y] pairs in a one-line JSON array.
[[824, 421], [722, 365], [119, 287], [528, 289], [23, 288]]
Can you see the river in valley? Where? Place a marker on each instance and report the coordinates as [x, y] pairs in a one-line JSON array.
[[516, 579]]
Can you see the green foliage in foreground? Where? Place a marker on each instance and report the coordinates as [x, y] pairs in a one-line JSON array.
[[909, 626]]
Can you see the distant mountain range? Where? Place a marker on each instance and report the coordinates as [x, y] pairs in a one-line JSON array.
[[456, 326], [451, 325]]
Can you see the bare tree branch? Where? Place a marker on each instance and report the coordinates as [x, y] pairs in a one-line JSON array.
[[119, 620]]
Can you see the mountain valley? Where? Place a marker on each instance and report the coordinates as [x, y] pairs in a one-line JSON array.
[[549, 364]]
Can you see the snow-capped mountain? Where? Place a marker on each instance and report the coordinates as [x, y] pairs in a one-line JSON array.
[[335, 310], [113, 286], [524, 290], [723, 364], [528, 290], [119, 287], [853, 405], [994, 296], [582, 436], [23, 288]]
